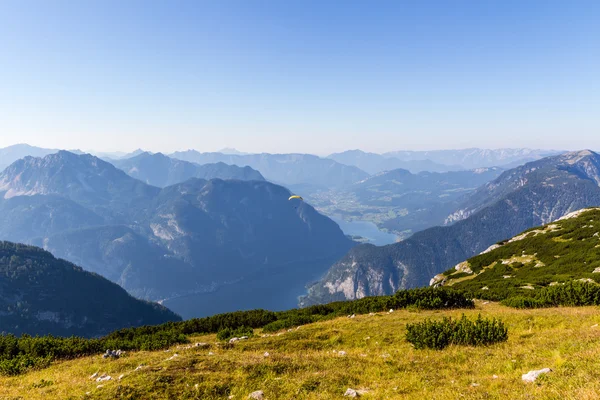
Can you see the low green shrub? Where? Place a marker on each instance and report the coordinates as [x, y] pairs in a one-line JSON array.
[[522, 302], [21, 363], [433, 298], [440, 334], [228, 333], [290, 322], [573, 293], [429, 298]]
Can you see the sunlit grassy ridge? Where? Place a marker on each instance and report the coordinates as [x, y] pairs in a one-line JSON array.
[[19, 354], [302, 363], [563, 251]]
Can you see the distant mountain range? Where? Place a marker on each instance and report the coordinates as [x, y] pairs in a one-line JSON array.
[[375, 163], [10, 154], [115, 155], [371, 163], [165, 229], [297, 171], [198, 236], [474, 157], [229, 150], [528, 196], [401, 201], [160, 170], [439, 160], [40, 294]]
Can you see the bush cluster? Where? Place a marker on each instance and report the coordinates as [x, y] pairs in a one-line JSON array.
[[228, 333], [573, 293], [424, 298], [522, 302], [17, 354], [291, 321], [440, 334]]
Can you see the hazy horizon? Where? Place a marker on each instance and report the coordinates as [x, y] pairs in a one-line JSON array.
[[309, 77], [242, 151]]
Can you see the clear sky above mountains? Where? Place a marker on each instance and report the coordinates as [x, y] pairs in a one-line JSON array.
[[309, 76]]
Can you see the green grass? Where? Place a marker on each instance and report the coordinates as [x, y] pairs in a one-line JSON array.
[[303, 365], [19, 354], [560, 252]]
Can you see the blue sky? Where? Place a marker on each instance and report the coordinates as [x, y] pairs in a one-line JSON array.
[[300, 76]]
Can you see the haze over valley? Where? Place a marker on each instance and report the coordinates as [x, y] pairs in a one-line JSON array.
[[206, 233], [257, 200]]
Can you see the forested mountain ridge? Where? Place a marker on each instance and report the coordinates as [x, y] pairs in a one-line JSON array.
[[40, 294]]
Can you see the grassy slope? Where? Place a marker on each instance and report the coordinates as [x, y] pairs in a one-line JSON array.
[[302, 364], [559, 252]]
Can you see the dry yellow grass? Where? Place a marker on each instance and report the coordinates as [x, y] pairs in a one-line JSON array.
[[302, 363]]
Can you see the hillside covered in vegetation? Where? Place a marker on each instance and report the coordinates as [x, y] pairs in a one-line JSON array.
[[41, 294], [368, 353], [543, 260], [420, 343], [20, 354]]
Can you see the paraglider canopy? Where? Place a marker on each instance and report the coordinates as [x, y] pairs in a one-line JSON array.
[[295, 197]]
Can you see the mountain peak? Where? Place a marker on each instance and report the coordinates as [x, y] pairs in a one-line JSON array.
[[290, 169], [19, 146], [85, 179], [575, 156], [65, 154], [231, 151], [10, 154], [160, 170], [147, 154], [60, 158]]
